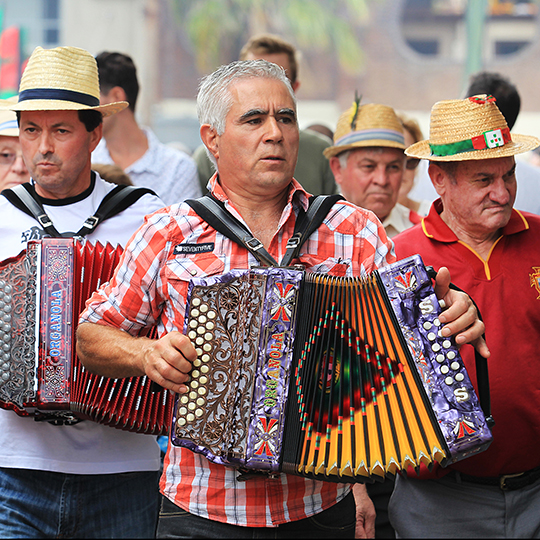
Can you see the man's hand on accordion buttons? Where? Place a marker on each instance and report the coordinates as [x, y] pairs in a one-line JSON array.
[[168, 361], [460, 317]]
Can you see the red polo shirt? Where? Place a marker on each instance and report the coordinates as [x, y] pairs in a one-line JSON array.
[[506, 289]]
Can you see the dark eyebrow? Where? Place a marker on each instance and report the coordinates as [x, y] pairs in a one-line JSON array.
[[288, 112], [252, 112]]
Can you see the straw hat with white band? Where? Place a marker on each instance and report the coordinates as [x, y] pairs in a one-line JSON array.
[[470, 129], [364, 126], [9, 127], [62, 79]]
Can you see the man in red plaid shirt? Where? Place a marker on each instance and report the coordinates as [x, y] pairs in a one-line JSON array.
[[248, 121]]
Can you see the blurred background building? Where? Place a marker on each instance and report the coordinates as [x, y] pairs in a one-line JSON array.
[[404, 53]]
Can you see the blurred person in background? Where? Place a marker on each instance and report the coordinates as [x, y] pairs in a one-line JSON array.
[[368, 162], [13, 170], [312, 170], [412, 134], [172, 174]]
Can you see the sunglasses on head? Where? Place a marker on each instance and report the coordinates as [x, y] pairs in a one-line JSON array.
[[412, 163]]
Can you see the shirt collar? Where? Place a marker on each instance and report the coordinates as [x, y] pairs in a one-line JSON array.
[[296, 196], [434, 227]]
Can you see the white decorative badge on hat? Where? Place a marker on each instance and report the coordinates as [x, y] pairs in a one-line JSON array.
[[494, 138]]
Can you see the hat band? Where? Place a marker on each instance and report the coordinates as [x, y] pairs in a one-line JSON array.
[[10, 124], [489, 139], [371, 134], [59, 94]]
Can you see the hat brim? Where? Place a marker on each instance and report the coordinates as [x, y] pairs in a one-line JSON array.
[[10, 132], [519, 145], [333, 151], [61, 105]]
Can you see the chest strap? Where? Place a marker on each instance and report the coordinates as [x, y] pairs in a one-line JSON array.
[[213, 211], [25, 198]]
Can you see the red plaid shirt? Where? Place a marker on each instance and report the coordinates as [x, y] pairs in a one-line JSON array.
[[150, 286]]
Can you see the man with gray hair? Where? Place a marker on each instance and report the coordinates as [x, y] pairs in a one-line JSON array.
[[248, 121]]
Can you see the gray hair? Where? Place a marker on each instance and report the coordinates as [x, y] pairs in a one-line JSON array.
[[214, 99]]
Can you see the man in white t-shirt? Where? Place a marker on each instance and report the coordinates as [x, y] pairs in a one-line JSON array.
[[84, 480], [171, 173]]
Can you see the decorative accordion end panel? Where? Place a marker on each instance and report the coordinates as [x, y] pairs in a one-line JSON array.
[[335, 378]]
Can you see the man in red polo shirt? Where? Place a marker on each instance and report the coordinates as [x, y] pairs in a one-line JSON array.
[[493, 252]]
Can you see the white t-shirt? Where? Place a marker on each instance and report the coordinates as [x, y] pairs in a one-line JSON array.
[[87, 447]]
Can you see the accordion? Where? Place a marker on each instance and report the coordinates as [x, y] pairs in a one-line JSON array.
[[42, 292], [334, 378]]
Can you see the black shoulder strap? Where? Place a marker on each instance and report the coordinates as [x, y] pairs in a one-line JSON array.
[[218, 217], [308, 223], [21, 197], [117, 200], [482, 375]]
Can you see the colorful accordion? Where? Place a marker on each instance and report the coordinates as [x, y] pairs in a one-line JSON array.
[[42, 292], [335, 378]]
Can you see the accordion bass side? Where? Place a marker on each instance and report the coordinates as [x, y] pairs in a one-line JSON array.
[[42, 292], [334, 378]]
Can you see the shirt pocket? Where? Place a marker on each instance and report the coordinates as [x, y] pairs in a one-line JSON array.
[[328, 265]]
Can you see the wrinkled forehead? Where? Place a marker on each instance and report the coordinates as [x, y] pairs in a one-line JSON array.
[[257, 92]]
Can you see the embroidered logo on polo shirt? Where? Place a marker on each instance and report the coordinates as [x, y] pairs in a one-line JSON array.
[[193, 249], [535, 280]]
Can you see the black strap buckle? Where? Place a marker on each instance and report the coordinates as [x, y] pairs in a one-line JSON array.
[[253, 243], [91, 222], [44, 220]]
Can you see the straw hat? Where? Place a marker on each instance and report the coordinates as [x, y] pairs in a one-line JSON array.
[[366, 125], [61, 79], [9, 127], [470, 129]]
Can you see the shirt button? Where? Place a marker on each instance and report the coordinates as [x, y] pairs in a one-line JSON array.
[[193, 272]]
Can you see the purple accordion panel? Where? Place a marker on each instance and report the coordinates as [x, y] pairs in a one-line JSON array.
[[437, 359], [242, 324]]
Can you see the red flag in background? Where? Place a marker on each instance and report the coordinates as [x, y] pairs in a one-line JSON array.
[[10, 58]]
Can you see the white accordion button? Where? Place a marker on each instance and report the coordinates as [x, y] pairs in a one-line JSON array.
[[440, 358], [196, 302], [446, 343], [194, 313], [431, 336], [455, 366], [427, 325], [435, 347], [436, 322], [459, 377], [204, 308], [211, 314], [451, 355], [445, 370], [449, 381]]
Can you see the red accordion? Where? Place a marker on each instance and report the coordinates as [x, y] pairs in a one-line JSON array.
[[42, 292]]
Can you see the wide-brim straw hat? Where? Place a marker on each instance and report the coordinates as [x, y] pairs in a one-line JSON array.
[[61, 79], [9, 127], [470, 129], [364, 126]]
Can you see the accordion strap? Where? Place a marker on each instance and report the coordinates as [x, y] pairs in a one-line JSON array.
[[121, 197], [482, 375], [213, 211]]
